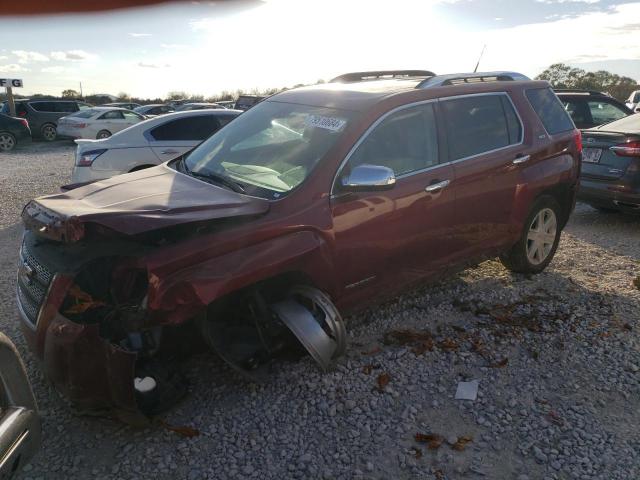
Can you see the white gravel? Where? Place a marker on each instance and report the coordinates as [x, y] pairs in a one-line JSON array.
[[564, 405]]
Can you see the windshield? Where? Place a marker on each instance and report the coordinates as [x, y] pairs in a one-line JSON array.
[[271, 148]]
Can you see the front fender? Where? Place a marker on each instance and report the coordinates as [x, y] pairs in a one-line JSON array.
[[183, 294]]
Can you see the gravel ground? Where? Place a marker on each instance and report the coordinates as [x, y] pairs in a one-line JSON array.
[[557, 357]]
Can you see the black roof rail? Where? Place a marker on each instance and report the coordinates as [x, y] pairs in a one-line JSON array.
[[580, 90], [461, 78], [380, 74]]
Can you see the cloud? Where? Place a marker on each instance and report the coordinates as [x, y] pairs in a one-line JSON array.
[[53, 69], [173, 45], [140, 34], [28, 57], [12, 68], [72, 55], [153, 65]]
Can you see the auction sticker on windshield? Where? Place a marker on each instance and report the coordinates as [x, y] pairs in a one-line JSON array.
[[329, 123]]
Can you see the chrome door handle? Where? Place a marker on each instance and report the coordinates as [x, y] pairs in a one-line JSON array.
[[521, 159], [169, 152], [434, 187]]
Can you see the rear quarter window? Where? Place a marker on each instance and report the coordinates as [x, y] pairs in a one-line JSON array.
[[479, 124], [550, 111]]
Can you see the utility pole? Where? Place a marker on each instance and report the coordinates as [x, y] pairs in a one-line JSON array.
[[11, 101], [81, 96]]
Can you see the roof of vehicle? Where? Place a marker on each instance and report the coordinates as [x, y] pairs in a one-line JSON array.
[[577, 91], [154, 105], [360, 95]]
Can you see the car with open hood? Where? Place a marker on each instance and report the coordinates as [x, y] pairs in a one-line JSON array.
[[315, 203]]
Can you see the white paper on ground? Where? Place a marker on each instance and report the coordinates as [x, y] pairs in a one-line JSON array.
[[144, 385], [467, 390]]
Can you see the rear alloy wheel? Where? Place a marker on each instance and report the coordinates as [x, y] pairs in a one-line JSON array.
[[49, 132], [7, 142], [539, 239], [103, 134]]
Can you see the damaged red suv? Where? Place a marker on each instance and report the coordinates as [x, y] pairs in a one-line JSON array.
[[314, 203]]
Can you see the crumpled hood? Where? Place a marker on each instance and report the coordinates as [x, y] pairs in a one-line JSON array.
[[137, 202]]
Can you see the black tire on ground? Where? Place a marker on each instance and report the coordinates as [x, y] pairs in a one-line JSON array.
[[7, 141], [539, 240], [49, 132], [605, 209], [103, 134]]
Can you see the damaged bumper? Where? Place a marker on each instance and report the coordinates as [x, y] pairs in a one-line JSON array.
[[87, 369]]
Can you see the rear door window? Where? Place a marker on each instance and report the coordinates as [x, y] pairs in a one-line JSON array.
[[112, 115], [604, 112], [193, 129], [43, 106], [550, 111], [480, 124], [406, 141], [66, 107]]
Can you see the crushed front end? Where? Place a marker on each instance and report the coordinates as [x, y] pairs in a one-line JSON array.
[[83, 311]]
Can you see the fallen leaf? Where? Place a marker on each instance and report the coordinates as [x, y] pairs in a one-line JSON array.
[[188, 432], [417, 452], [373, 351], [433, 440], [448, 344], [367, 369], [555, 418], [461, 443], [421, 341], [501, 364], [627, 327], [383, 380], [439, 475]]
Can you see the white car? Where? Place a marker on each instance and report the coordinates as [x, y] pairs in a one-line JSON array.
[[97, 122], [633, 102], [147, 144]]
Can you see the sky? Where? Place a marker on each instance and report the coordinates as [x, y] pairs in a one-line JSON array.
[[206, 47]]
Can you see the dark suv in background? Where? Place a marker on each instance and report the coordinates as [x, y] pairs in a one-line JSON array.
[[43, 115], [590, 108]]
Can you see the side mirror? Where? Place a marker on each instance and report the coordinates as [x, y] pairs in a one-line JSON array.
[[20, 433], [368, 178]]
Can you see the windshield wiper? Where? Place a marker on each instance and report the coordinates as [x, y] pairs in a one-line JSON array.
[[213, 177]]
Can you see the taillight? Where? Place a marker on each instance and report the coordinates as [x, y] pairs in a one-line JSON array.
[[577, 137], [22, 114], [627, 149], [86, 159]]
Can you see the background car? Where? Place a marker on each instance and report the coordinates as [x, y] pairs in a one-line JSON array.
[[147, 144], [197, 106], [590, 109], [128, 106], [97, 122], [633, 102], [610, 176], [154, 110], [43, 115], [13, 131], [245, 102]]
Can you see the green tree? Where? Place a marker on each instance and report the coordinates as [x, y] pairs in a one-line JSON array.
[[560, 75], [70, 94]]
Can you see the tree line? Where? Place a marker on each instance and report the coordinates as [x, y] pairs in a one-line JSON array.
[[559, 75]]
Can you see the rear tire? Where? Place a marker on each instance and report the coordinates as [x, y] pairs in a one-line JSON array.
[[605, 209], [49, 132], [103, 134], [539, 240], [7, 141]]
